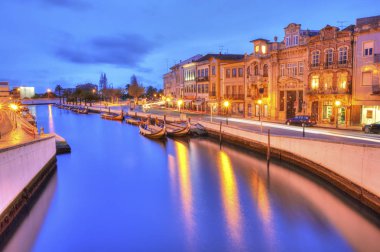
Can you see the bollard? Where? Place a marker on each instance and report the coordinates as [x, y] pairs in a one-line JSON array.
[[220, 135], [268, 147], [303, 130]]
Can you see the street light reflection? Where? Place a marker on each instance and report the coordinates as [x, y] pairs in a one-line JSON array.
[[230, 198], [185, 187]]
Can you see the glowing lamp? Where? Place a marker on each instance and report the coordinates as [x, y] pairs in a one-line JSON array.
[[226, 104], [338, 103]]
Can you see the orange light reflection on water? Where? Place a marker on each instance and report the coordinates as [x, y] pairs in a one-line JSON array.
[[230, 198], [185, 187]]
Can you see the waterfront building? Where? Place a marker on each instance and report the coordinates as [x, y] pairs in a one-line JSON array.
[[233, 86], [213, 98], [366, 85], [258, 69], [169, 84], [4, 90], [289, 64], [329, 79], [189, 84]]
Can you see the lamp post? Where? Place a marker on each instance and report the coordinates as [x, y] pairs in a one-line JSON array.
[[261, 122], [179, 103], [337, 105], [48, 92], [226, 104], [212, 107]]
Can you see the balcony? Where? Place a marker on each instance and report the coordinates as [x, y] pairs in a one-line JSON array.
[[202, 78], [327, 91], [234, 96], [314, 66]]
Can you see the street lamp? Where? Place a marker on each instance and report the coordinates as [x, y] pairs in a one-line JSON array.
[[337, 105], [48, 92], [260, 102], [226, 104], [212, 107], [179, 103]]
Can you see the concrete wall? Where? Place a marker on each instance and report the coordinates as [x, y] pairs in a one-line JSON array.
[[20, 164], [356, 162]]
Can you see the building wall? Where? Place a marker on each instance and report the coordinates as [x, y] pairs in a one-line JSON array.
[[366, 91], [20, 164], [4, 89]]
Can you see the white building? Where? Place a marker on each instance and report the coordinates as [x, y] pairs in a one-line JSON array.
[[26, 92]]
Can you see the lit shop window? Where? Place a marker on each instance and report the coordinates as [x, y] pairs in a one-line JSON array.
[[315, 82]]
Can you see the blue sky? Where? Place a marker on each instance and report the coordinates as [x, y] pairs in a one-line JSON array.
[[48, 42]]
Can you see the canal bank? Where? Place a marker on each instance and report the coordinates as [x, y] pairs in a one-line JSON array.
[[27, 161]]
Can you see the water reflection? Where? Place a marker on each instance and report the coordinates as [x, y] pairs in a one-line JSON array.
[[184, 173], [230, 197], [51, 121]]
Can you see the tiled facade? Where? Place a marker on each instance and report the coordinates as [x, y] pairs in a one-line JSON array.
[[330, 74]]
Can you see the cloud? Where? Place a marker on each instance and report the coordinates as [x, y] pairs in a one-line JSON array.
[[125, 51], [70, 4]]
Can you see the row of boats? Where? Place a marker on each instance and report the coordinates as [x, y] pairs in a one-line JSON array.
[[76, 109], [157, 130]]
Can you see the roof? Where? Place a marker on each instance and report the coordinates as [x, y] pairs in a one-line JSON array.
[[259, 39], [189, 60], [221, 57]]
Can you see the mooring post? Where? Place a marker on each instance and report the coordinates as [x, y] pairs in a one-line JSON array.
[[220, 134], [109, 110], [268, 147], [303, 130]]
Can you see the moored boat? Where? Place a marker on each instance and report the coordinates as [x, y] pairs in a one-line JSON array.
[[133, 121], [177, 130], [113, 117], [152, 131]]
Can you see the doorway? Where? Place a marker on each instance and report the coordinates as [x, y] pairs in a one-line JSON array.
[[314, 110], [291, 104]]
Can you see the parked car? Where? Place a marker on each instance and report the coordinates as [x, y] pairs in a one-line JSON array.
[[301, 119], [371, 128]]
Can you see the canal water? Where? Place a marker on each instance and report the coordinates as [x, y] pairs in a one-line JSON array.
[[119, 191]]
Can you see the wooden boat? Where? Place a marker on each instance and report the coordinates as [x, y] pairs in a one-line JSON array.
[[152, 131], [83, 111], [133, 121], [177, 130], [113, 117]]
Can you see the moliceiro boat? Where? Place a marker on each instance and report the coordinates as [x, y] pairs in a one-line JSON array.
[[113, 117], [177, 129], [152, 131]]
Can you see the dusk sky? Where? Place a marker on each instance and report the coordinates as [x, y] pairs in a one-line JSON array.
[[49, 42]]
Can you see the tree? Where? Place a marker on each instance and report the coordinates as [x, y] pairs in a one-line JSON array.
[[58, 89], [135, 89], [150, 92]]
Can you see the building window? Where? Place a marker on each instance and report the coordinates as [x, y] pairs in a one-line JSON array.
[[240, 91], [295, 38], [203, 72], [240, 72], [367, 78], [282, 100], [228, 73], [263, 49], [342, 58], [315, 82], [257, 48], [342, 80], [315, 58], [213, 72], [256, 70], [248, 71], [227, 91], [368, 48], [265, 70], [329, 57], [233, 72], [233, 90], [287, 41], [206, 88], [327, 110], [292, 69], [327, 79], [282, 70], [213, 89], [300, 68], [206, 72], [199, 73]]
